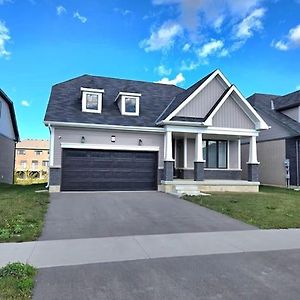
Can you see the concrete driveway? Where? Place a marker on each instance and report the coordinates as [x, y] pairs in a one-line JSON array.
[[104, 214]]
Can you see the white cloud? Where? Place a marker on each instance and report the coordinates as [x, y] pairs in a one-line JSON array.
[[163, 70], [4, 37], [251, 23], [81, 18], [186, 47], [189, 66], [60, 10], [25, 103], [210, 48], [178, 79], [298, 87], [218, 23], [123, 12], [163, 38], [292, 40]]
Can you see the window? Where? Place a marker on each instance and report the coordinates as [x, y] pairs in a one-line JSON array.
[[45, 163], [215, 154], [130, 105], [38, 152], [92, 100], [21, 152], [34, 164], [23, 164]]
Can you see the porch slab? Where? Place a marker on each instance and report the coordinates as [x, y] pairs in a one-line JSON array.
[[191, 187]]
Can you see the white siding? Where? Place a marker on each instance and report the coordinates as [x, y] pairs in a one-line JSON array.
[[203, 102], [6, 127]]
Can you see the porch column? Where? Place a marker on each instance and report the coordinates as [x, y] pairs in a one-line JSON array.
[[199, 162], [253, 162], [168, 157]]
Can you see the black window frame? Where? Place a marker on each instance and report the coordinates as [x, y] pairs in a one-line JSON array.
[[217, 154]]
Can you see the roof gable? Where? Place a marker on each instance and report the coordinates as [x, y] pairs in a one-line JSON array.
[[287, 101]]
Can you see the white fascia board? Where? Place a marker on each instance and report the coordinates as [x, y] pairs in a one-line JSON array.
[[262, 124], [104, 126], [213, 130], [92, 90], [197, 91], [108, 147], [127, 94]]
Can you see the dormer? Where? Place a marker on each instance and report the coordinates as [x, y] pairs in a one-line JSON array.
[[91, 100], [129, 103]]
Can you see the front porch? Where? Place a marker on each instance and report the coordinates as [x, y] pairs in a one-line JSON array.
[[201, 161]]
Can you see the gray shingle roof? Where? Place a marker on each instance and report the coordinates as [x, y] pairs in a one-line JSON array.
[[178, 99], [287, 101], [65, 101], [262, 103]]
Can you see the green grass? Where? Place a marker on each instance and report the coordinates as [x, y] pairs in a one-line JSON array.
[[16, 281], [271, 208], [22, 212]]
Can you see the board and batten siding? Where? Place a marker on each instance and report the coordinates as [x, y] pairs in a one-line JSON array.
[[7, 159], [103, 137], [271, 155], [202, 103], [293, 113], [231, 115]]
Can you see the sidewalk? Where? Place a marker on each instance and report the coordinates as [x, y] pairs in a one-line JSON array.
[[42, 254]]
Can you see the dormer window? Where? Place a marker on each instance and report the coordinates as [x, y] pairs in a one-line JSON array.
[[92, 100], [129, 103]]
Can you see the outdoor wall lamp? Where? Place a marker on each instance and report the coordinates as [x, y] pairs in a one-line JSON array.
[[113, 138], [140, 142], [82, 139]]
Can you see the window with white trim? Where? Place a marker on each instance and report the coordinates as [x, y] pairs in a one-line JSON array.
[[130, 105], [92, 100]]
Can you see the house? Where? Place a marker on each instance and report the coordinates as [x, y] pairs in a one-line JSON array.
[[9, 135], [279, 147], [32, 159], [116, 134]]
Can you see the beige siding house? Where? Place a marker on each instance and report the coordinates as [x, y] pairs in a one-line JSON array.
[[32, 159], [116, 134], [278, 149]]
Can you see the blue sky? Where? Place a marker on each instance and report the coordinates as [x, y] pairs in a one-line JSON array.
[[255, 43]]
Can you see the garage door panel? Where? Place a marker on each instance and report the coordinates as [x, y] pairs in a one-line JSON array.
[[108, 170]]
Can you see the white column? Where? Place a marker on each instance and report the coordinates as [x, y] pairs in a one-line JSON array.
[[168, 146], [198, 148], [252, 151], [185, 152]]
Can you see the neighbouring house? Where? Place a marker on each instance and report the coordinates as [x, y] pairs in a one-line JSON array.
[[116, 134], [279, 147], [32, 159], [9, 135]]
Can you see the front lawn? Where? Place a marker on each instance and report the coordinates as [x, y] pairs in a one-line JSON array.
[[16, 281], [271, 208], [22, 212]]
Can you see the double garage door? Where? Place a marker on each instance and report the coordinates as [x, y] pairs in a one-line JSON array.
[[106, 170]]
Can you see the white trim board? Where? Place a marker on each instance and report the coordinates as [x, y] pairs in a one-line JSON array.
[[105, 126], [108, 147]]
